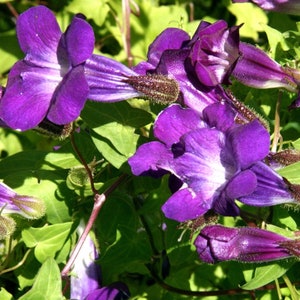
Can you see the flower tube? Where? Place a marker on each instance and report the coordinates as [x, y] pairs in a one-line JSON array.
[[283, 6]]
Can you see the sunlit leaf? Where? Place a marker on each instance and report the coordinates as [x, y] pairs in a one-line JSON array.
[[266, 274], [47, 285], [48, 240]]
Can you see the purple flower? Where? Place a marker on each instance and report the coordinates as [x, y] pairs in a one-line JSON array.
[[216, 160], [199, 65], [214, 52], [26, 206], [86, 275], [49, 82], [216, 243], [256, 69], [115, 291], [284, 6]]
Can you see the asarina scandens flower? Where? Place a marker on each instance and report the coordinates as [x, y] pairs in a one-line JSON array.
[[284, 6], [216, 160], [114, 291], [49, 82], [199, 64], [86, 275], [217, 243], [256, 69], [13, 203], [58, 73]]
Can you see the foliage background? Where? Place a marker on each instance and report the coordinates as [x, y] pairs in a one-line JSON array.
[[138, 246]]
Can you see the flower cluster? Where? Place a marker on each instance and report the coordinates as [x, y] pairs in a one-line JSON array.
[[214, 150]]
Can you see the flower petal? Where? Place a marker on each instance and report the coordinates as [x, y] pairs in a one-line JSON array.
[[80, 40], [219, 115], [271, 188], [241, 185], [172, 123], [250, 143], [195, 95], [215, 52], [185, 205], [70, 97], [25, 103], [142, 163], [256, 69], [170, 38], [203, 166], [39, 35]]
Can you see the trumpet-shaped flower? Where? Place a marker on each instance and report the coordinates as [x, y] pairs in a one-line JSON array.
[[217, 243], [86, 275], [256, 69], [49, 82], [199, 64], [284, 6], [216, 160]]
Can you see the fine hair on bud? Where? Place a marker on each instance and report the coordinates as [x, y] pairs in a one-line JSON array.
[[157, 88], [54, 131]]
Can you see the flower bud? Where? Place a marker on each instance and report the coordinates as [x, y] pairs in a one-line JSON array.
[[26, 206], [7, 226], [217, 243]]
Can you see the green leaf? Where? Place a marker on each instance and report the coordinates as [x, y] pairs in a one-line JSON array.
[[96, 114], [96, 10], [46, 240], [5, 295], [23, 161], [275, 39], [114, 126], [265, 274], [252, 18], [291, 172], [47, 285], [9, 50]]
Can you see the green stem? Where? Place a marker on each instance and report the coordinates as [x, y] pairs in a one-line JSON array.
[[291, 287]]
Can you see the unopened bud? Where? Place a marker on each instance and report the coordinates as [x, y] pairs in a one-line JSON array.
[[32, 207], [7, 226]]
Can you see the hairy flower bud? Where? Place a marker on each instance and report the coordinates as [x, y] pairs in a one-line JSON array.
[[26, 206], [7, 226], [32, 207], [246, 244]]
